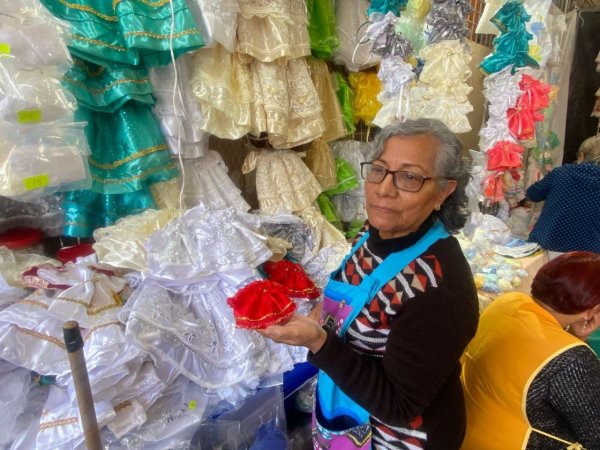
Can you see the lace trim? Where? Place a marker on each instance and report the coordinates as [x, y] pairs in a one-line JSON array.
[[90, 10], [108, 87], [120, 162], [98, 42], [167, 166], [162, 36]]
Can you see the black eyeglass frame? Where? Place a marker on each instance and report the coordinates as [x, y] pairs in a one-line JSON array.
[[423, 178]]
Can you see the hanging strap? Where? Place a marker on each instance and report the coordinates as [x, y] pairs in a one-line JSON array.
[[571, 445]]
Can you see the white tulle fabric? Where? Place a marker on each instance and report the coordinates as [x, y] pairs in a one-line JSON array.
[[204, 242], [122, 244], [180, 117], [192, 329], [15, 383], [217, 20], [283, 182], [272, 29], [441, 92], [501, 90], [396, 76], [354, 50]]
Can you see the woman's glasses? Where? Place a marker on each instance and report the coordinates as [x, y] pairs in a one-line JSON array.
[[403, 180]]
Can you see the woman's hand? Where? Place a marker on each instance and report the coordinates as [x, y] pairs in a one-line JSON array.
[[300, 331]]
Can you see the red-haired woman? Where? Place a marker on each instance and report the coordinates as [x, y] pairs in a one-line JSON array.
[[530, 380]]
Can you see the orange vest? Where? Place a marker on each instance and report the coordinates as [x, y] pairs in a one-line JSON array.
[[515, 339]]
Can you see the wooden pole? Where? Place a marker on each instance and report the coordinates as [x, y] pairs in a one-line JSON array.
[[85, 401]]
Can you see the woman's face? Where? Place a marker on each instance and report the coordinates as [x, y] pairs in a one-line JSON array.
[[398, 213]]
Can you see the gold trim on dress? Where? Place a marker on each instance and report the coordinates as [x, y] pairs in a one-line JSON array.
[[102, 90], [169, 165], [162, 36], [122, 405], [90, 310], [90, 10], [120, 162], [44, 337], [58, 423], [155, 4], [266, 315], [98, 42], [34, 303]]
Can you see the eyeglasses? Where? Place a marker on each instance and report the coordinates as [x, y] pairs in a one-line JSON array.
[[403, 180]]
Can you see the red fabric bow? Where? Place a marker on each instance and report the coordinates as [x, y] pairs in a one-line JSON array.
[[261, 304], [293, 279]]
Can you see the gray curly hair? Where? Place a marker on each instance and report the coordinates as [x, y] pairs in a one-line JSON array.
[[448, 164]]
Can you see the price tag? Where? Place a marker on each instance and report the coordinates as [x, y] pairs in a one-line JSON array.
[[29, 116], [36, 182], [192, 404], [4, 49]]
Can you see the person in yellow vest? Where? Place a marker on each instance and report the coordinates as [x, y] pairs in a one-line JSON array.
[[529, 379]]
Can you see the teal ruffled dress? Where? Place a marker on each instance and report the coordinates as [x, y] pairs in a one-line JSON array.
[[131, 32], [128, 151], [385, 6], [512, 46]]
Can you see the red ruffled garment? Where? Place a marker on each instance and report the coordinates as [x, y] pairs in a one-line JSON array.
[[521, 122], [293, 279], [261, 304], [493, 187], [536, 94], [505, 155]]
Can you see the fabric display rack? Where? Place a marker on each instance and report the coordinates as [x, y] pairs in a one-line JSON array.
[[117, 124]]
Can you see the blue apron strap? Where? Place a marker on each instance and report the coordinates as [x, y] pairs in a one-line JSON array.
[[396, 262], [391, 266], [360, 242]]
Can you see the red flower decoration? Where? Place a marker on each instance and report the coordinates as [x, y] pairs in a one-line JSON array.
[[293, 279], [261, 304]]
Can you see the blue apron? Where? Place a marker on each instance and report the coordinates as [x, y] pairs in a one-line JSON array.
[[342, 304]]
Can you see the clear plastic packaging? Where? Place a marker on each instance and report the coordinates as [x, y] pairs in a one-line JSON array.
[[38, 160]]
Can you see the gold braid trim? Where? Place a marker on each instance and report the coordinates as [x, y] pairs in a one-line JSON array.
[[90, 10], [34, 303], [102, 90], [90, 311], [144, 174], [155, 4], [251, 319], [58, 423], [162, 36], [120, 162], [44, 337], [98, 42]]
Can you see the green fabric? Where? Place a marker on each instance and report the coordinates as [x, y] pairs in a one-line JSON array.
[[346, 178], [321, 28], [132, 33], [345, 95], [353, 228], [108, 89], [328, 210], [128, 151], [86, 210]]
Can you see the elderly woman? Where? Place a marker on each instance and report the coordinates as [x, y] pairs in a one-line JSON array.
[[399, 312], [529, 383]]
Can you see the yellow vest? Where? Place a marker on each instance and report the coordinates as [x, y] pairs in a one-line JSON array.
[[515, 339]]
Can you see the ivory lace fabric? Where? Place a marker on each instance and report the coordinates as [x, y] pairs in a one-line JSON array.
[[13, 264], [441, 92], [271, 29], [283, 182], [122, 244]]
